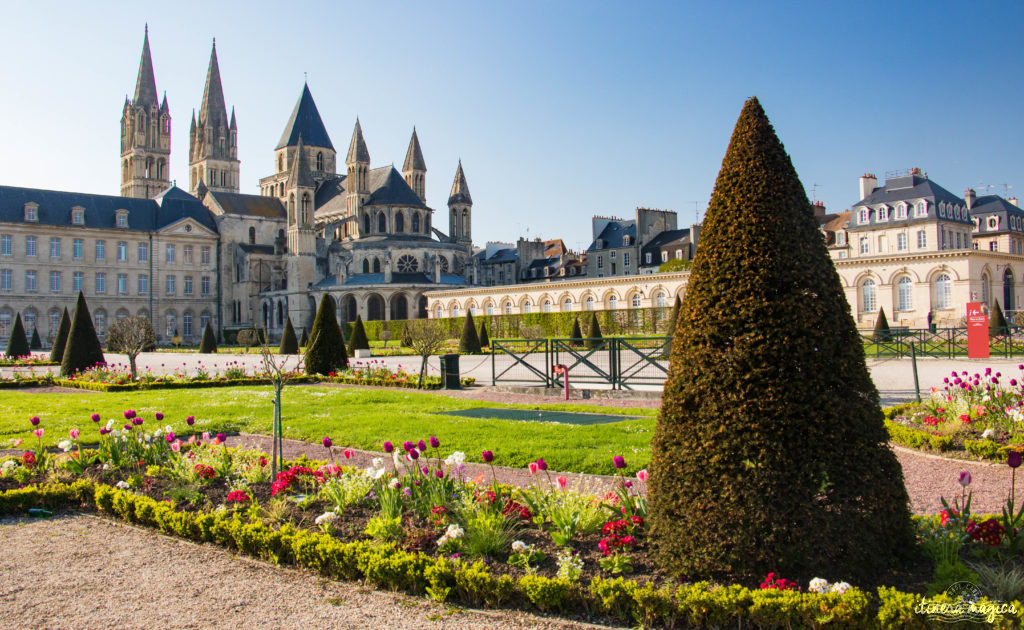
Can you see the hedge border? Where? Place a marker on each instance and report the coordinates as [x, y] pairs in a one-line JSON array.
[[444, 579], [237, 382]]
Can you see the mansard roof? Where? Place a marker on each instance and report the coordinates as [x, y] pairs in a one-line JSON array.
[[663, 238], [305, 121], [249, 205], [144, 215], [908, 188], [611, 235]]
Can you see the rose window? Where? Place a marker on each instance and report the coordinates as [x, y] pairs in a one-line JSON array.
[[444, 265], [407, 264]]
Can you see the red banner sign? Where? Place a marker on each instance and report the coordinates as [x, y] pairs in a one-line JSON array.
[[977, 330]]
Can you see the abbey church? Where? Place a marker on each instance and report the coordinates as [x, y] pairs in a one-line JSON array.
[[356, 234]]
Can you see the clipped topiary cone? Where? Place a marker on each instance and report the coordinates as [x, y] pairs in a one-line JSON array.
[[576, 336], [17, 343], [61, 340], [358, 340], [289, 344], [326, 350], [208, 344], [770, 452], [485, 340], [594, 336], [36, 343], [83, 349], [469, 342]]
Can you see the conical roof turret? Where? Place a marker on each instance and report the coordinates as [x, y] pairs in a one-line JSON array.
[[145, 84], [460, 188], [213, 111], [300, 175], [414, 155], [305, 121], [357, 151]]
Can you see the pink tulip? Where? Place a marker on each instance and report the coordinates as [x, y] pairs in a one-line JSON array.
[[965, 476], [73, 433], [642, 475], [347, 453], [206, 436], [533, 468], [17, 442], [562, 481], [38, 433], [176, 446]]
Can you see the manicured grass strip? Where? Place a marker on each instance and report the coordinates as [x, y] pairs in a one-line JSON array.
[[354, 417]]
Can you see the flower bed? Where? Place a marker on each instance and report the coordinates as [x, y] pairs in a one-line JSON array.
[[27, 361], [412, 521], [979, 416]]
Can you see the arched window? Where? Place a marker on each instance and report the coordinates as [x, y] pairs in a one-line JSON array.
[[567, 305], [986, 288], [590, 303], [490, 309], [613, 303], [305, 208], [319, 160], [376, 265], [366, 224], [382, 223], [868, 299], [508, 308], [635, 301], [291, 208], [455, 311], [366, 265], [399, 222], [280, 163], [415, 222], [943, 291], [660, 300], [904, 294], [547, 306], [439, 312], [252, 236], [527, 307]]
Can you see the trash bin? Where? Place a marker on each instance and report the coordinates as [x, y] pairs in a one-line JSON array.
[[450, 371]]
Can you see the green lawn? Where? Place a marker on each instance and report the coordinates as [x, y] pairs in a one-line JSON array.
[[360, 418]]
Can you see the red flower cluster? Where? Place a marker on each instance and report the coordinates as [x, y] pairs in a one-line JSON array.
[[513, 507], [779, 584], [618, 534], [614, 542], [205, 472], [263, 461], [238, 496], [945, 515], [990, 531], [623, 526], [286, 477], [931, 421], [965, 418], [486, 497], [28, 459]]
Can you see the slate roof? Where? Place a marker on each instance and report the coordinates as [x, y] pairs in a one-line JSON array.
[[357, 151], [250, 205], [144, 215], [305, 121], [664, 237], [500, 256], [460, 188], [300, 175], [396, 278], [909, 188], [612, 234], [994, 205], [388, 188], [414, 156]]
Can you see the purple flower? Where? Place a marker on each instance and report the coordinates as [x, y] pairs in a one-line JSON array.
[[434, 442], [422, 446], [440, 474], [136, 421], [95, 417], [128, 415], [488, 456], [190, 420], [965, 478], [414, 454], [34, 420], [426, 470], [389, 447], [128, 427], [221, 437], [327, 442], [169, 437], [541, 464], [104, 431], [407, 491], [1013, 458], [619, 461], [408, 446], [159, 416]]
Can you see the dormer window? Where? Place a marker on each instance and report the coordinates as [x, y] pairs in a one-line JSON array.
[[625, 240], [600, 244], [840, 238], [863, 217], [921, 209], [901, 210], [993, 223], [122, 219], [78, 216], [883, 213], [32, 212]]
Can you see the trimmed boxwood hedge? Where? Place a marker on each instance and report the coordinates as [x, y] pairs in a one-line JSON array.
[[385, 566]]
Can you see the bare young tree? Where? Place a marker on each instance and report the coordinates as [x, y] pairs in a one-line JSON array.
[[426, 338], [275, 366], [131, 335]]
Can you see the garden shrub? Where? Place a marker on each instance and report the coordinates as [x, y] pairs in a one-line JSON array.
[[61, 340], [17, 343], [576, 336], [477, 585], [882, 332], [326, 350], [485, 340], [289, 344], [469, 342], [36, 343], [896, 609], [83, 348], [767, 374], [545, 593], [613, 596], [208, 344], [594, 336], [304, 339], [985, 449], [997, 321], [357, 341]]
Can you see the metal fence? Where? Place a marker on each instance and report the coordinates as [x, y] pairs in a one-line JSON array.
[[941, 343], [622, 363]]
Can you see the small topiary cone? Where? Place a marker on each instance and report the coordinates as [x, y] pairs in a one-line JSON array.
[[485, 340], [289, 344], [469, 342], [594, 336], [61, 340], [17, 344], [326, 350], [882, 332], [208, 344], [358, 340], [997, 321], [36, 343], [83, 349]]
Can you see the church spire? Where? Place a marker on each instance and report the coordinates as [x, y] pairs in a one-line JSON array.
[[213, 145], [145, 85], [213, 111], [300, 175], [415, 169], [460, 188], [357, 151]]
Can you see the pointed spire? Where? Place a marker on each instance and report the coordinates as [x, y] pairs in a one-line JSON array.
[[300, 176], [193, 127], [233, 126], [213, 111], [357, 151], [145, 84], [305, 121], [163, 105], [201, 189], [414, 156], [460, 188]]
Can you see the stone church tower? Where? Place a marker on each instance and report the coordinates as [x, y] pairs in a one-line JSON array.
[[213, 142], [414, 171], [460, 210], [145, 136]]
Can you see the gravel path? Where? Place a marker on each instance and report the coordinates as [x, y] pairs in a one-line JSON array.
[[89, 572]]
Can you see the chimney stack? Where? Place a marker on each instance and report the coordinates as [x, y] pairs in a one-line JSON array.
[[969, 197], [1013, 200], [868, 183]]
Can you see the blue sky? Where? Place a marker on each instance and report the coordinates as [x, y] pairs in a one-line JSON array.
[[559, 110]]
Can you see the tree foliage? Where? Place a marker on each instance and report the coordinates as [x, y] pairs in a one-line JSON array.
[[17, 343], [426, 340], [208, 344], [83, 348], [326, 350], [485, 340], [358, 340], [289, 344], [61, 340], [469, 342], [675, 264], [131, 336], [767, 383], [594, 336]]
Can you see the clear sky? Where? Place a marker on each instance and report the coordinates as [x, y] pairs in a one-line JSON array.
[[559, 110]]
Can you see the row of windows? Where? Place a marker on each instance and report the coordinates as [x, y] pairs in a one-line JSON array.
[[611, 256], [660, 299], [399, 221], [100, 250], [942, 289], [77, 215], [883, 213], [30, 319], [56, 284]]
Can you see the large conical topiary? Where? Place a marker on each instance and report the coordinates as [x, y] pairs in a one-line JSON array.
[[208, 344], [304, 339], [358, 340], [485, 339], [326, 350], [469, 342], [576, 336], [17, 343], [770, 450], [882, 332], [594, 337], [61, 340], [83, 349], [673, 318], [36, 343], [289, 344], [997, 321]]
